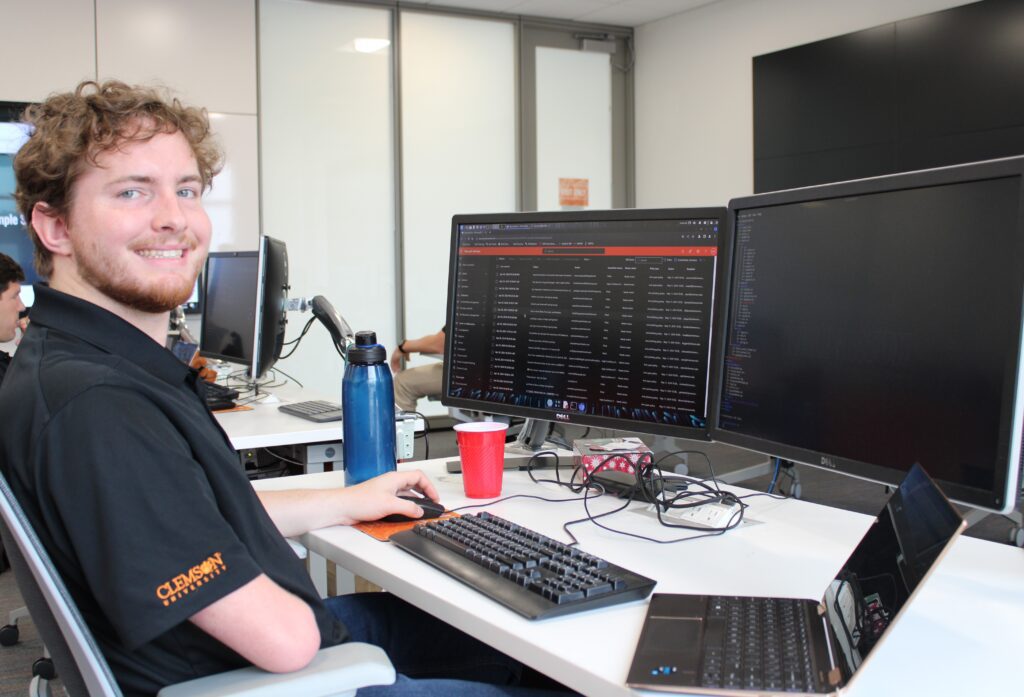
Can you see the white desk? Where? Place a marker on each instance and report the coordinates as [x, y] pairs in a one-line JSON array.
[[961, 635], [264, 426]]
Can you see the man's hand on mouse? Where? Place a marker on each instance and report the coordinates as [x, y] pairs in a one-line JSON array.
[[378, 497]]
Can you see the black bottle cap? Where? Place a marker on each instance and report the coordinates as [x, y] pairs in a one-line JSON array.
[[366, 351]]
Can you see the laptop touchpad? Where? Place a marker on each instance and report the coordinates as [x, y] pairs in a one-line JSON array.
[[679, 637]]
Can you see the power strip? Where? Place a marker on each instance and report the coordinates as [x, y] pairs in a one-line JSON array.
[[716, 514], [405, 435]]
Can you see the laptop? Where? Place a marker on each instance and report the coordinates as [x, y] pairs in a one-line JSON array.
[[735, 645]]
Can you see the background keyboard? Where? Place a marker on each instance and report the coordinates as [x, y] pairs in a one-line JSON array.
[[316, 410], [523, 570], [218, 396]]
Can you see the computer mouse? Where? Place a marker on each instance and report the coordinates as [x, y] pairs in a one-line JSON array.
[[431, 509]]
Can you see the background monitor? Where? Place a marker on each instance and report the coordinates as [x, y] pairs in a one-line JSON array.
[[194, 304], [599, 318], [875, 324], [14, 239], [229, 316], [244, 314]]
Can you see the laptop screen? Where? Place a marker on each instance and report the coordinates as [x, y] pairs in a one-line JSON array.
[[892, 559]]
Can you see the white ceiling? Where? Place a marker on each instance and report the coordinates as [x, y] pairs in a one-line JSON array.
[[627, 13]]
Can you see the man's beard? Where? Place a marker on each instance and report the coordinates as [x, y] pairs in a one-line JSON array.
[[114, 281]]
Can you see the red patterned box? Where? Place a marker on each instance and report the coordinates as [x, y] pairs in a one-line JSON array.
[[627, 452]]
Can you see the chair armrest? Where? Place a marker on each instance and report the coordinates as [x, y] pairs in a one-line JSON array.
[[300, 549], [337, 670]]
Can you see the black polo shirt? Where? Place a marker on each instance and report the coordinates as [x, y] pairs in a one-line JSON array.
[[5, 361], [136, 492]]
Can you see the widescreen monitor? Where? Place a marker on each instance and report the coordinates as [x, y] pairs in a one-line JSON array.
[[599, 318], [876, 323], [244, 312], [14, 239]]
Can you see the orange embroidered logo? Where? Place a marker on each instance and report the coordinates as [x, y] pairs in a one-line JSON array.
[[183, 584]]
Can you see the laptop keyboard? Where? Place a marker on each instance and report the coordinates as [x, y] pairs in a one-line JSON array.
[[527, 572], [757, 644]]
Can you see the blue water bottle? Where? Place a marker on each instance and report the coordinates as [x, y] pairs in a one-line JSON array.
[[368, 411]]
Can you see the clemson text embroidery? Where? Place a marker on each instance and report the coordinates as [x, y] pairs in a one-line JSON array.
[[183, 584]]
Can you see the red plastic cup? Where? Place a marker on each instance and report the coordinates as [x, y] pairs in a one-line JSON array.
[[482, 451]]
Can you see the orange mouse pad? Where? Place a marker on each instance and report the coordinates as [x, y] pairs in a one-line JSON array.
[[382, 531], [237, 407]]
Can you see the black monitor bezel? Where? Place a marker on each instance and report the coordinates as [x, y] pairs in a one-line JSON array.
[[1003, 495], [196, 308], [271, 317], [202, 333], [625, 214]]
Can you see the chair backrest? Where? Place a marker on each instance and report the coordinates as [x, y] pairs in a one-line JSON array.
[[79, 662]]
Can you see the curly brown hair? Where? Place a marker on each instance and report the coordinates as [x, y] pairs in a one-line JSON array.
[[72, 129]]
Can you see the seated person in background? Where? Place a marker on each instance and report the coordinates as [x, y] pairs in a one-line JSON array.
[[180, 569], [11, 307], [422, 381]]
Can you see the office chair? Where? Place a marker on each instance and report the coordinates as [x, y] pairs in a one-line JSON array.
[[338, 670]]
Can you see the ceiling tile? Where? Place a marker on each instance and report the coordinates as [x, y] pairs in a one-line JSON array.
[[633, 13]]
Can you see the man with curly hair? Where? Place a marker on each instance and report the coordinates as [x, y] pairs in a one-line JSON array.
[[179, 568]]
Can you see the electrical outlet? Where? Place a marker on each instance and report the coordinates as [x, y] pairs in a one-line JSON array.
[[710, 515]]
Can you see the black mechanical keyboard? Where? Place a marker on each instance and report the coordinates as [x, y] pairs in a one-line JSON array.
[[219, 396], [523, 570], [757, 644], [314, 410]]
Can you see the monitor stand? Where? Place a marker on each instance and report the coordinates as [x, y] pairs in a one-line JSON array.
[[531, 439], [519, 452]]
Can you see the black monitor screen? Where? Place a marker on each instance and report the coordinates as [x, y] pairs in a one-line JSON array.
[[599, 317], [876, 324], [229, 315]]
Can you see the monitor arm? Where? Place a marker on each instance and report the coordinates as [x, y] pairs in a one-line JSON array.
[[341, 333], [178, 324]]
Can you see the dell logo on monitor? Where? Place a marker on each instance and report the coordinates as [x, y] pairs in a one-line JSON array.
[[827, 462], [561, 417]]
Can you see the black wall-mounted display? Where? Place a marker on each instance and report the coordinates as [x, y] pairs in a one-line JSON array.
[[939, 89]]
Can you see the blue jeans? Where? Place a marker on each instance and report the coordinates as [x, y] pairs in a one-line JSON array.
[[430, 657]]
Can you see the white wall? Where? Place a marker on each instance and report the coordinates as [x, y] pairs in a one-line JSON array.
[[694, 89], [48, 45], [203, 49], [328, 170], [458, 149], [574, 124]]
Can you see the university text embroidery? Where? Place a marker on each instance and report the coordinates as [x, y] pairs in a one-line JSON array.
[[183, 584]]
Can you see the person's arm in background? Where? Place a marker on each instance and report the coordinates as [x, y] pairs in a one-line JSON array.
[[431, 343]]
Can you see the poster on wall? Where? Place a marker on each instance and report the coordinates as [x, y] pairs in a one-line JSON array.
[[573, 193]]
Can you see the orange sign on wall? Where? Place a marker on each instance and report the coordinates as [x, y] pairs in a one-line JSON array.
[[573, 192]]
